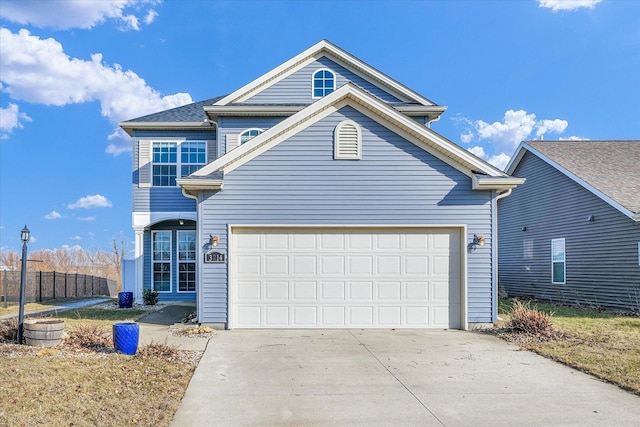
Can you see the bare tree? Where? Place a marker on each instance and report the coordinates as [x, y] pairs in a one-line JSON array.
[[10, 259], [117, 255]]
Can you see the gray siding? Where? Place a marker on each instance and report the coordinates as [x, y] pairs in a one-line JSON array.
[[395, 183], [163, 199], [236, 125], [601, 256], [297, 87]]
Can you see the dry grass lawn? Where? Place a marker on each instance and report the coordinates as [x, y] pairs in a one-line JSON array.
[[83, 382], [601, 343]]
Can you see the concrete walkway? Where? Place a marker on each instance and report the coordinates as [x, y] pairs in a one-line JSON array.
[[386, 377], [156, 327]]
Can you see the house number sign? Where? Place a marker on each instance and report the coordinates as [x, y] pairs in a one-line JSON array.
[[215, 258]]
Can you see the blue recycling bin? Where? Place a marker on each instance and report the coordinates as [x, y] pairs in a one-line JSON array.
[[125, 299], [125, 337]]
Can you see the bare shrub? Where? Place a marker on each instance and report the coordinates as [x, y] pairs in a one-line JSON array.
[[158, 350], [90, 336], [527, 320], [9, 330]]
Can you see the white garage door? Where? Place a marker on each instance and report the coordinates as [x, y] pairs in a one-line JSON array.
[[345, 278]]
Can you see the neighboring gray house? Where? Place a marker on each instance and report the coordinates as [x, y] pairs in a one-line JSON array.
[[571, 233], [315, 196]]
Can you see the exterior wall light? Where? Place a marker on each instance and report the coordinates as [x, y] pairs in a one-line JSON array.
[[478, 240], [213, 241]]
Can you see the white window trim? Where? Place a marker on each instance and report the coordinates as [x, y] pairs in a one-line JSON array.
[[178, 163], [170, 261], [564, 260], [245, 131], [336, 141], [313, 76], [194, 262]]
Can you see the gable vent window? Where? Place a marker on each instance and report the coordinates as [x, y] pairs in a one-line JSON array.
[[249, 134], [347, 144], [324, 82]]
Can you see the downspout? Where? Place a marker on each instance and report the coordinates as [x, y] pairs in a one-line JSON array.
[[199, 256], [495, 242]]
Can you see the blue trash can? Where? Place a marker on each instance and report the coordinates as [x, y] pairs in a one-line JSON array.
[[125, 337], [125, 299]]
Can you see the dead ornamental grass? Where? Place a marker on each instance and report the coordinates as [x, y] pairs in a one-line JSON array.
[[601, 343]]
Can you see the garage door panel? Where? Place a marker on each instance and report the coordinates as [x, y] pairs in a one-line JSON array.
[[361, 316], [417, 290], [248, 264], [370, 277], [332, 316], [249, 290], [276, 291], [361, 291], [389, 264], [305, 290], [304, 264], [332, 291], [276, 316], [361, 264], [389, 290], [332, 264]]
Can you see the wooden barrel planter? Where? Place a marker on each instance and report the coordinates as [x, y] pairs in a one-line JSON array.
[[43, 332]]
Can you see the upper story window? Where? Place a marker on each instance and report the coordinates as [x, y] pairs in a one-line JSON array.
[[249, 134], [168, 166], [324, 82]]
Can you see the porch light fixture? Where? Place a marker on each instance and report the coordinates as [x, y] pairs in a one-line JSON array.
[[213, 240], [478, 240], [25, 235], [181, 221]]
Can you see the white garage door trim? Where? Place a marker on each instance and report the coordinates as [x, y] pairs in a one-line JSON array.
[[460, 229]]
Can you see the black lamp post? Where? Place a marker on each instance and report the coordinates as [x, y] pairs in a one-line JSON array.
[[24, 236]]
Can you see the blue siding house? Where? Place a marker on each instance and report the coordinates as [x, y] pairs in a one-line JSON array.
[[571, 232], [316, 196]]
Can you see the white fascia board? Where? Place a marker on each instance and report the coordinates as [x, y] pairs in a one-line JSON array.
[[350, 94], [311, 54], [498, 183], [130, 126], [580, 181], [189, 184], [515, 159], [140, 220], [215, 111]]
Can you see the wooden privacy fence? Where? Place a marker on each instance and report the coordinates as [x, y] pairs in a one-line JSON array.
[[49, 285]]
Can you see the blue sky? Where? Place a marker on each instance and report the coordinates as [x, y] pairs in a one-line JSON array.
[[71, 70]]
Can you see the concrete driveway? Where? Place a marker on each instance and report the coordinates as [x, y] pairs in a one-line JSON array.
[[391, 377]]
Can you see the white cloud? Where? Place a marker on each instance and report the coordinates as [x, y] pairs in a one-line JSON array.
[[151, 16], [500, 160], [76, 238], [10, 119], [88, 202], [53, 215], [38, 71], [84, 14], [573, 138], [478, 151], [555, 126], [88, 219], [515, 127], [556, 5]]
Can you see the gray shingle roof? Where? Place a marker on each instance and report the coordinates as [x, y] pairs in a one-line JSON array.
[[612, 167], [187, 113]]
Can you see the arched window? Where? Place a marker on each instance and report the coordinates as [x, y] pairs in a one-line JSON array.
[[249, 134], [347, 141], [324, 82]]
